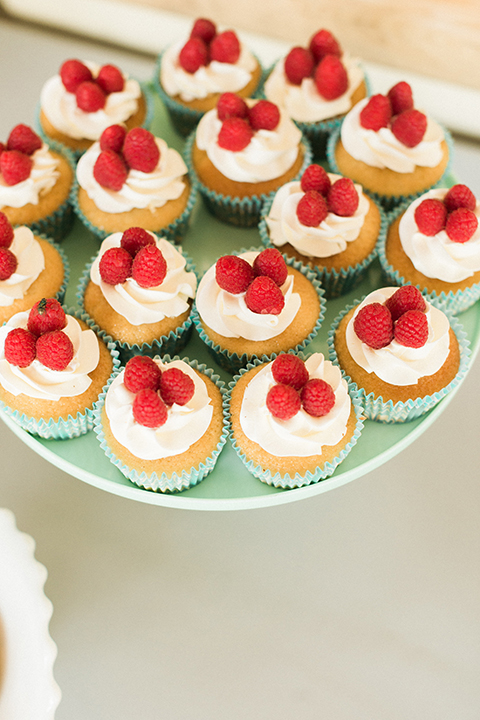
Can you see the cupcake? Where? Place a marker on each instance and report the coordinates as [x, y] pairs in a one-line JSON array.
[[132, 179], [255, 304], [328, 222], [36, 182], [293, 422], [240, 153], [434, 243], [52, 369], [403, 353], [84, 98], [191, 75], [139, 290], [161, 422]]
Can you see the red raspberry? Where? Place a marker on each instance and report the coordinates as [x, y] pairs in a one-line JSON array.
[[376, 113], [342, 198], [411, 329], [409, 127], [263, 296], [317, 397], [54, 350], [134, 238], [289, 369], [233, 274], [15, 166], [225, 47], [176, 387], [20, 348], [283, 401], [461, 225], [74, 72], [24, 139], [115, 266], [406, 298], [331, 78], [90, 97], [149, 267], [149, 409], [112, 138], [324, 43], [235, 134], [312, 209], [140, 150], [316, 178], [270, 262], [193, 55], [2, 147], [141, 372], [460, 196], [110, 79], [401, 97], [298, 64], [45, 316], [430, 216], [204, 29], [264, 115], [6, 231], [231, 105], [8, 263], [373, 325], [110, 170]]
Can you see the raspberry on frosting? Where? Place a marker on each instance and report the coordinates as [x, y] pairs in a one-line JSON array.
[[24, 139], [8, 263], [72, 73], [149, 409], [90, 97], [140, 150], [263, 296], [312, 209], [461, 224], [373, 325], [270, 262], [112, 138], [193, 55], [299, 64], [205, 29], [233, 274], [406, 298], [149, 267], [409, 127], [430, 216], [342, 198], [6, 231], [46, 315], [235, 134], [231, 105], [289, 369], [331, 77], [115, 266], [54, 350], [324, 43], [176, 387], [411, 329], [15, 166], [20, 347], [377, 113], [401, 97], [110, 79], [317, 397], [134, 238], [110, 170], [283, 401], [141, 372], [460, 196], [315, 177], [264, 115], [225, 47]]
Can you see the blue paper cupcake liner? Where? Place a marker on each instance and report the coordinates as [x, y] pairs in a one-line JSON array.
[[163, 482]]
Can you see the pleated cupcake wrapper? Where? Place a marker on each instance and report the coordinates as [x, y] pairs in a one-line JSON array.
[[64, 428], [286, 481], [163, 482], [239, 211], [232, 362], [375, 408]]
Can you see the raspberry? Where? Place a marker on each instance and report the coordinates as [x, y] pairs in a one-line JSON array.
[[461, 225], [342, 198], [409, 127], [24, 139], [376, 113], [193, 55], [312, 209], [110, 79], [264, 297], [324, 43], [149, 267], [406, 298], [411, 329], [90, 97], [8, 263], [233, 274], [317, 397], [20, 348], [15, 166], [54, 350], [283, 401], [140, 150], [373, 325], [204, 29], [264, 115], [112, 138], [225, 47], [134, 238], [316, 178], [115, 266], [141, 372], [460, 196], [401, 97], [46, 315], [298, 65], [149, 409], [74, 72], [2, 147], [430, 216], [231, 105], [6, 231], [176, 387], [289, 369], [110, 170], [235, 134], [270, 262], [331, 78]]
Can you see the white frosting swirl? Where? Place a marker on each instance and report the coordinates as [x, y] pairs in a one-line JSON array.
[[42, 178], [140, 190], [60, 107], [382, 149], [38, 381], [228, 314], [269, 154], [216, 77], [437, 256], [31, 262], [303, 435], [148, 305], [397, 364], [303, 102], [184, 426], [329, 238]]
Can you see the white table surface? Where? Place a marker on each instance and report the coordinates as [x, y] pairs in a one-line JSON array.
[[360, 604]]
